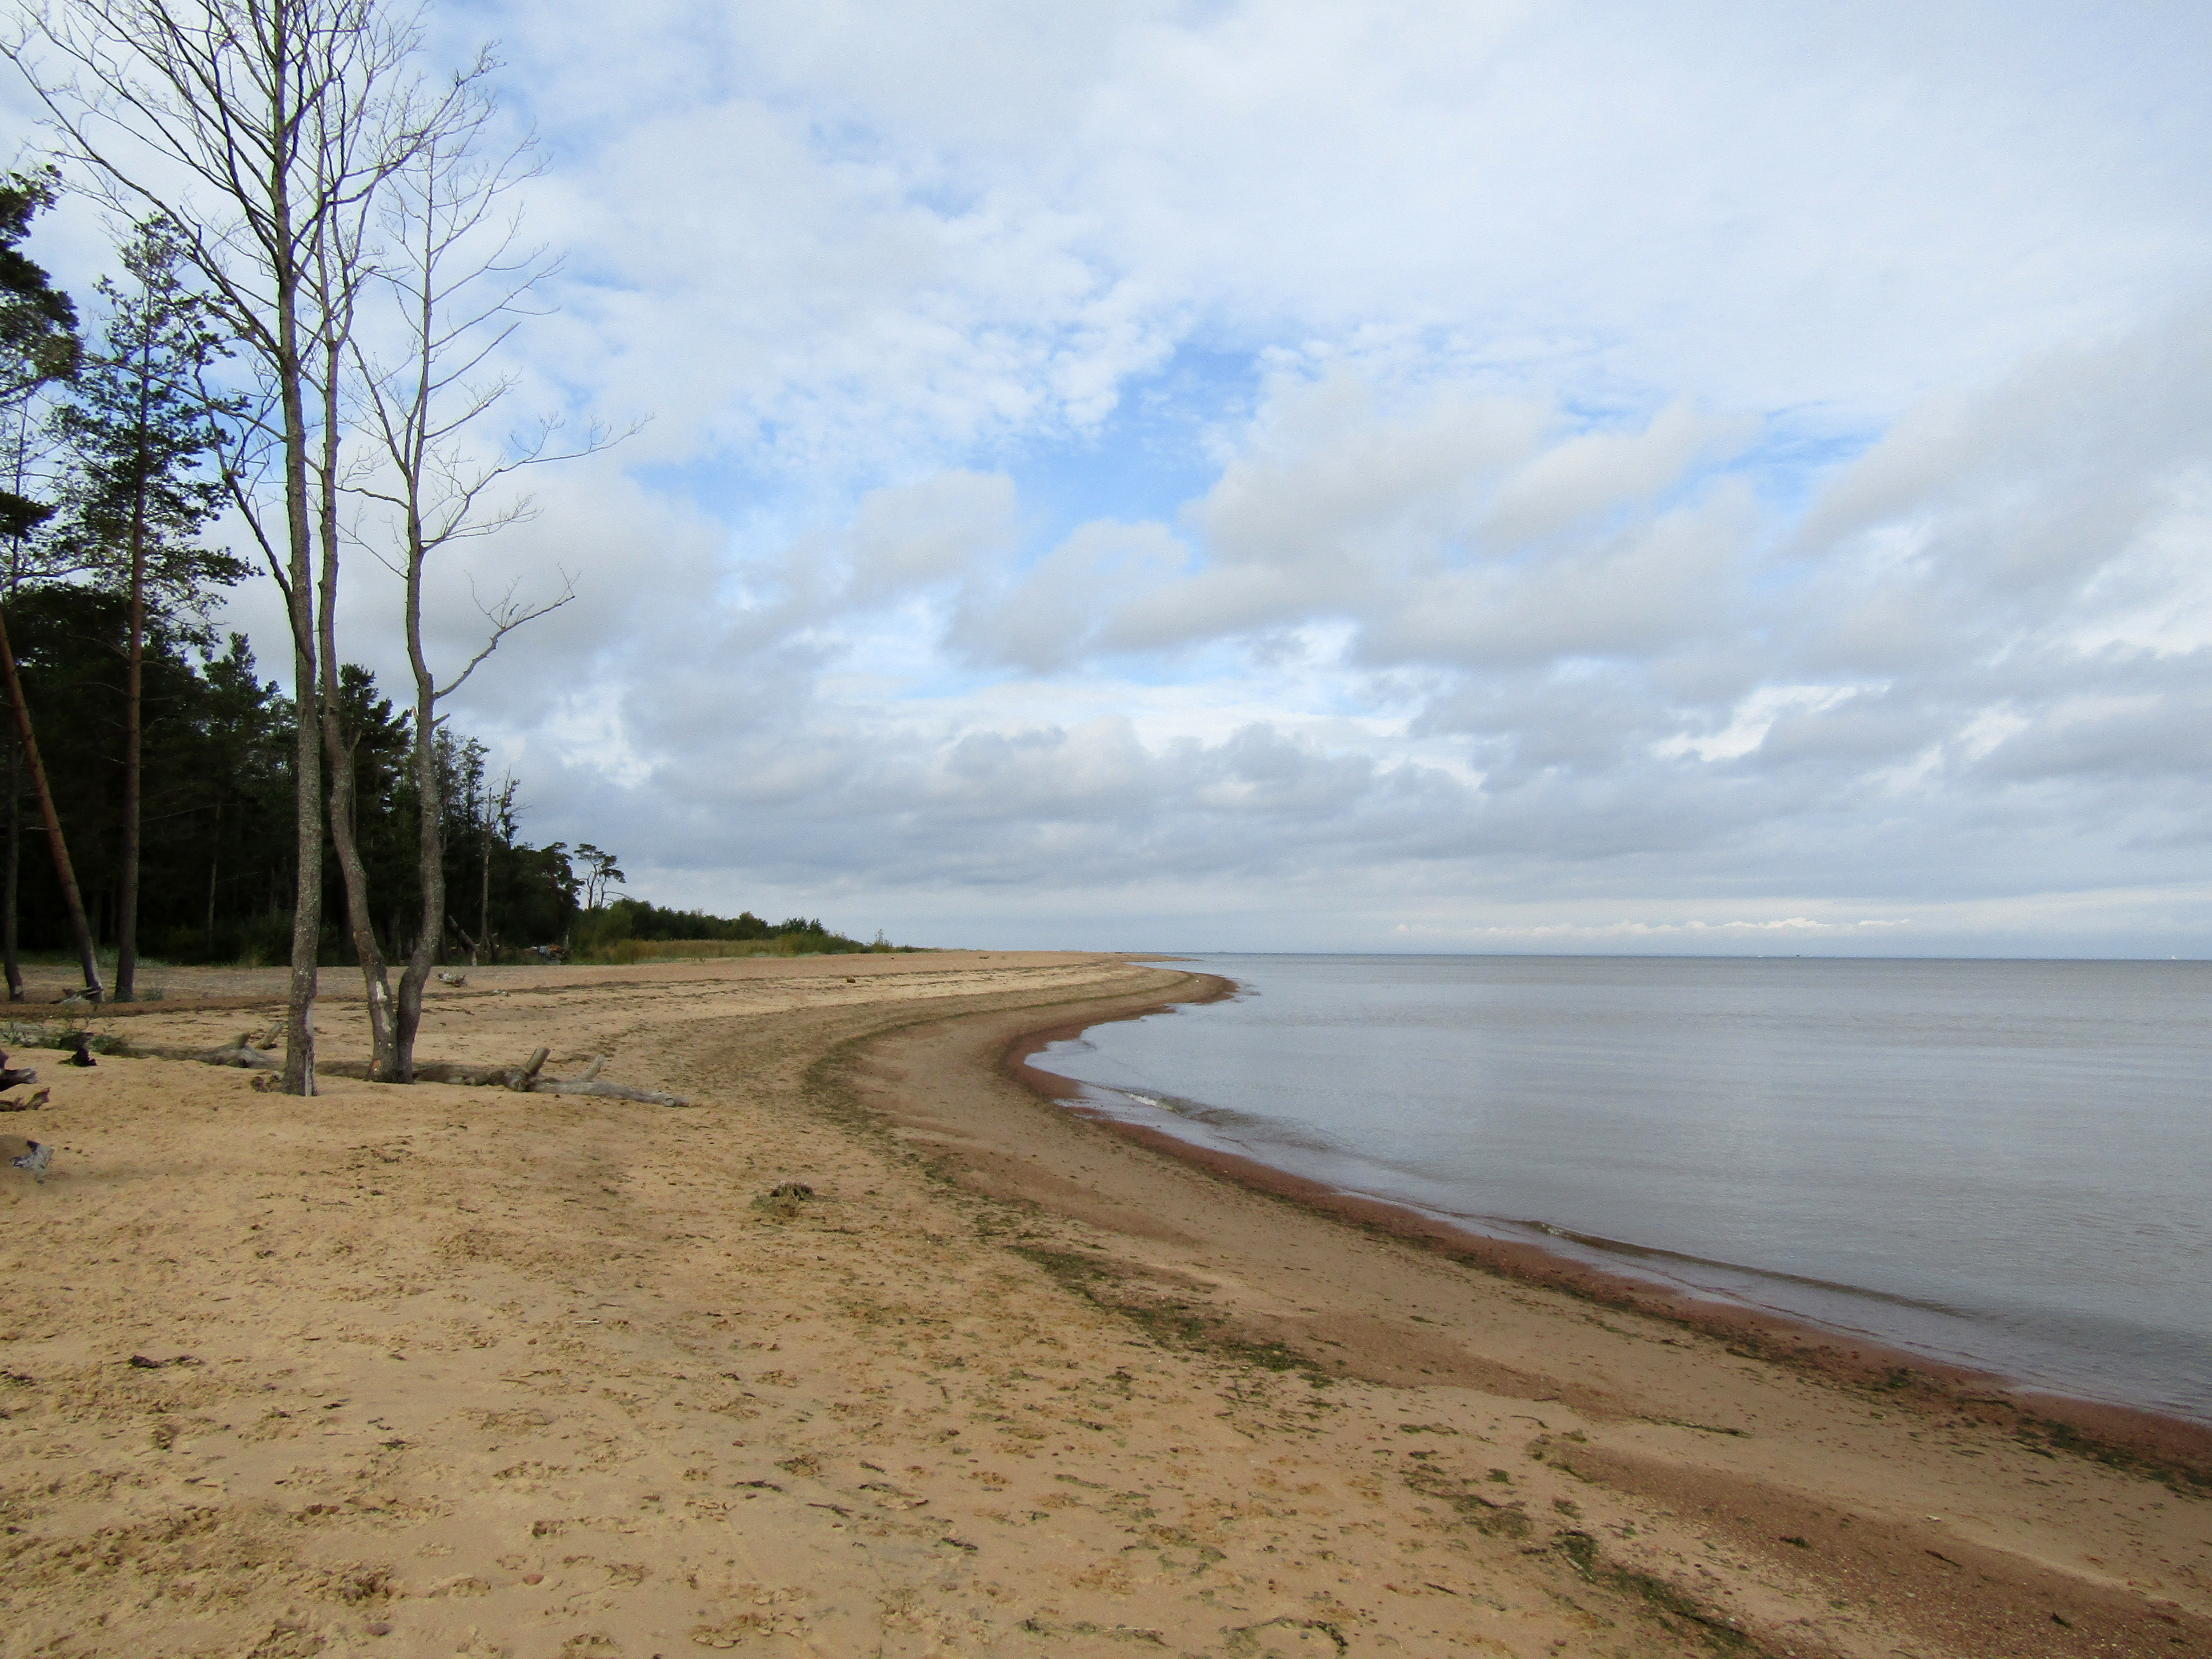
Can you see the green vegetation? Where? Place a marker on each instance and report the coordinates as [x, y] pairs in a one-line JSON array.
[[629, 930], [216, 787]]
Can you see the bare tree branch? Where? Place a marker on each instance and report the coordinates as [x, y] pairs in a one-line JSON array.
[[504, 617]]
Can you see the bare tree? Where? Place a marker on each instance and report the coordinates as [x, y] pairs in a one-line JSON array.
[[252, 126], [461, 285], [337, 275]]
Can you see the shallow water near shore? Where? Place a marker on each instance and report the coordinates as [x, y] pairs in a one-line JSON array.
[[2002, 1164]]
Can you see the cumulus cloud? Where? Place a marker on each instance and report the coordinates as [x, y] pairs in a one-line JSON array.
[[1062, 606], [1690, 481]]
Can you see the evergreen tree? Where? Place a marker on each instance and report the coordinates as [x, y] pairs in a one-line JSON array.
[[38, 345], [39, 342], [143, 434]]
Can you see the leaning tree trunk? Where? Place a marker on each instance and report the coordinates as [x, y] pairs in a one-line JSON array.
[[376, 981], [345, 841], [64, 871]]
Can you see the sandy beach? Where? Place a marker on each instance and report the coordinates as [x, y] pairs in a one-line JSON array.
[[461, 1370]]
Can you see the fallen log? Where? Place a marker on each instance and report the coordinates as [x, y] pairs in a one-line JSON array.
[[584, 1085], [528, 1078], [439, 1070], [241, 1053], [517, 1077]]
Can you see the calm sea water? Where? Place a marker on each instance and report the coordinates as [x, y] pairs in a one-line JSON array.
[[2003, 1163]]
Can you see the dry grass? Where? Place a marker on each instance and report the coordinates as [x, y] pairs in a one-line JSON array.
[[627, 951]]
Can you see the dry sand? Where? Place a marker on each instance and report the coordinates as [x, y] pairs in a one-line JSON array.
[[444, 1370]]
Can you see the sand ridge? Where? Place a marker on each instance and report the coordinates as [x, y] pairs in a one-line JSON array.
[[438, 1370]]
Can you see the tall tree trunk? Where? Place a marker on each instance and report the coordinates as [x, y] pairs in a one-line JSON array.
[[11, 899], [214, 863], [483, 893], [429, 788], [127, 904], [430, 844], [306, 735], [11, 879], [64, 871]]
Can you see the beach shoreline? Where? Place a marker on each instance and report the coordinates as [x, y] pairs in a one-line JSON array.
[[873, 1349], [2162, 1440]]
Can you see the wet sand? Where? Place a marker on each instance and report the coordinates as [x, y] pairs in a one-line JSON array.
[[440, 1369]]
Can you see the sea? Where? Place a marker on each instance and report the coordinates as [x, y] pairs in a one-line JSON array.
[[2006, 1165]]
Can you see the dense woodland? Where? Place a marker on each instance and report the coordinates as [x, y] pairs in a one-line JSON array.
[[217, 797], [218, 878], [116, 475], [626, 920]]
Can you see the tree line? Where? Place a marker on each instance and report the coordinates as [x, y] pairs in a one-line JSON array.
[[607, 926], [320, 275], [216, 880]]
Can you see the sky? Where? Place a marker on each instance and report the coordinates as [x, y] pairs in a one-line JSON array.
[[1273, 476]]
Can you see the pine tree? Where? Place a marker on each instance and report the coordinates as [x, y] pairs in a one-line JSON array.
[[39, 345], [38, 323], [143, 433]]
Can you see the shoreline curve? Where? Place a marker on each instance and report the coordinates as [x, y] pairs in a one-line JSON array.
[[2104, 1429]]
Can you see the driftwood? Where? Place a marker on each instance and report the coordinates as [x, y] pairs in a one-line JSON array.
[[241, 1054], [522, 1084], [554, 1085], [526, 1078]]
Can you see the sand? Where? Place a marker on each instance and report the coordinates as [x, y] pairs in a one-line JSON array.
[[447, 1370]]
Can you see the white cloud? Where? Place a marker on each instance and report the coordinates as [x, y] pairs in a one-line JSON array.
[[1059, 607], [1753, 720], [1714, 476]]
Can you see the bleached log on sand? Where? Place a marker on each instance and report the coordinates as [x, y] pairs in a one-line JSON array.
[[525, 1079], [554, 1085], [240, 1054]]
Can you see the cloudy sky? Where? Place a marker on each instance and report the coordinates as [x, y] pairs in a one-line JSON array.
[[1400, 475]]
